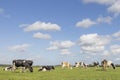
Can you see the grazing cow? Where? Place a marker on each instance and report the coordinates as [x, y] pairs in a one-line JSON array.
[[106, 64], [46, 68], [77, 64], [8, 68], [65, 64], [96, 64], [25, 64], [82, 64]]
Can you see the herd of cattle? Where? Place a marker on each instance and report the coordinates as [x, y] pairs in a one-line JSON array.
[[27, 64]]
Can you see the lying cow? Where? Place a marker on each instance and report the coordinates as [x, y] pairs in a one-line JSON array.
[[46, 68], [25, 64], [8, 68]]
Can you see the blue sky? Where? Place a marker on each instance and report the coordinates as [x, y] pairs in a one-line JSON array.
[[52, 31]]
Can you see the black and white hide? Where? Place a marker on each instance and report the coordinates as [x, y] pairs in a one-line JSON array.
[[25, 64], [96, 64], [8, 68], [46, 68]]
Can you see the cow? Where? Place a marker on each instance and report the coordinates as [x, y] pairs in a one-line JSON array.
[[46, 68], [81, 64], [96, 64], [8, 68], [106, 64], [65, 64], [25, 64]]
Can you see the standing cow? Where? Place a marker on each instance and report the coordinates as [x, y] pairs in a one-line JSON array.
[[96, 64], [65, 64], [25, 64], [106, 64], [82, 64]]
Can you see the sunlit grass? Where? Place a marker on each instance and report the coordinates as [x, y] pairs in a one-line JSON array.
[[63, 74]]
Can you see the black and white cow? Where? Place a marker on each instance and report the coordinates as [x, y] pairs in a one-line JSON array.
[[96, 64], [81, 64], [8, 68], [25, 64], [46, 68]]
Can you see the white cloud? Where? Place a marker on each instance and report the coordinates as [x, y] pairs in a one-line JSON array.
[[115, 8], [65, 51], [41, 36], [54, 45], [106, 53], [117, 35], [107, 19], [113, 5], [42, 26], [85, 23], [115, 49], [60, 45], [93, 43], [19, 48], [117, 59]]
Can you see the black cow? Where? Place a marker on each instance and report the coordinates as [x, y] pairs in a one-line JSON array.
[[23, 63], [46, 68]]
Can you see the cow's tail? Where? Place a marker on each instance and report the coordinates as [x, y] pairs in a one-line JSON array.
[[113, 65]]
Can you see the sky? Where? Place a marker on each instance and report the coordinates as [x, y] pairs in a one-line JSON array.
[[51, 31]]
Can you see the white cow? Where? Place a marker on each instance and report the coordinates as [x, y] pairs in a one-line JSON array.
[[65, 64]]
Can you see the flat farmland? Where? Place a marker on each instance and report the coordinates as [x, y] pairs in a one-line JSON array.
[[90, 73]]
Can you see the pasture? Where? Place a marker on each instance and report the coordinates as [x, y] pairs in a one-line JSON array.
[[90, 73]]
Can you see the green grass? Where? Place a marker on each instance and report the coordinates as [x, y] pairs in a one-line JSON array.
[[63, 74]]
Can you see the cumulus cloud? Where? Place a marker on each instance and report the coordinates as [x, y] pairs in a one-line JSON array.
[[113, 5], [85, 23], [117, 35], [41, 36], [93, 43], [115, 49], [19, 48], [102, 19], [115, 8], [106, 53], [42, 26], [62, 46], [65, 51], [117, 59]]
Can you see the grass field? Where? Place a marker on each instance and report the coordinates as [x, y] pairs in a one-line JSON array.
[[63, 74]]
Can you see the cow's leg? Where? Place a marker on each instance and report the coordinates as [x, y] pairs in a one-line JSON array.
[[68, 66], [22, 69], [62, 66], [13, 67]]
